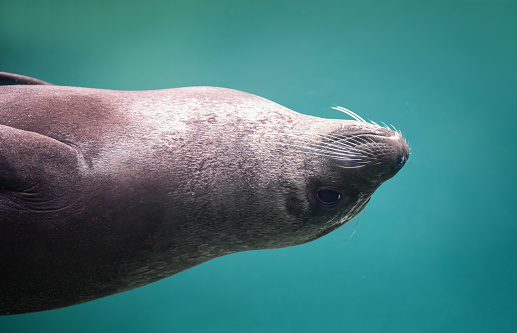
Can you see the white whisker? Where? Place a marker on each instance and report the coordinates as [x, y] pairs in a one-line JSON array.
[[350, 113], [336, 146], [322, 152]]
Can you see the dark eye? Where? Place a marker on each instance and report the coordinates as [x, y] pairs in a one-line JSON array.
[[328, 196]]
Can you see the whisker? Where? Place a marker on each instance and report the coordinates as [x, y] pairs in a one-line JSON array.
[[337, 146], [350, 113], [355, 229], [322, 152], [348, 143], [351, 167], [348, 154]]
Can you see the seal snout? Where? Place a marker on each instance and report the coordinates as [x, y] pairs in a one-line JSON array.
[[390, 150], [380, 150], [401, 152]]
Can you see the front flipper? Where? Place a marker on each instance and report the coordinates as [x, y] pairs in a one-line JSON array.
[[40, 195], [7, 79], [38, 174]]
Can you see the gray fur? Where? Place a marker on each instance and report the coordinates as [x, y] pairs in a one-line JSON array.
[[103, 191]]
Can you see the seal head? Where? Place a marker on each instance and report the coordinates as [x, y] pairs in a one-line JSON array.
[[342, 166]]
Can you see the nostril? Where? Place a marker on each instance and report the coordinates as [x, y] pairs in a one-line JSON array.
[[396, 157], [399, 163], [401, 152]]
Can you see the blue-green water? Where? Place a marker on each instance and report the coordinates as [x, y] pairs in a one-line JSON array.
[[435, 249]]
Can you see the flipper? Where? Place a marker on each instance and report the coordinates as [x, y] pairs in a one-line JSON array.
[[7, 79], [34, 171]]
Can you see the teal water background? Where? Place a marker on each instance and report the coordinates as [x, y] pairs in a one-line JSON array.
[[435, 249]]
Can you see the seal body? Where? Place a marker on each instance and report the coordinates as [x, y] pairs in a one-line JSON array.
[[103, 191]]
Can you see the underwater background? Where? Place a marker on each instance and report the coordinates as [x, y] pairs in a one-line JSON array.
[[435, 250]]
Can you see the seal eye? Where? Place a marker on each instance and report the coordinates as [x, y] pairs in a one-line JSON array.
[[328, 196]]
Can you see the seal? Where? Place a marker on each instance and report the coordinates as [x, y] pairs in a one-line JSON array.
[[103, 191]]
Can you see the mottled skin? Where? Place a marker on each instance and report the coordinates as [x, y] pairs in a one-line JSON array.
[[103, 191]]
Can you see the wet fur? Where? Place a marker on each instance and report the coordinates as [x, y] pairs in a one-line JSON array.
[[103, 191]]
